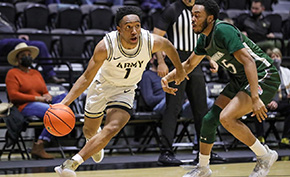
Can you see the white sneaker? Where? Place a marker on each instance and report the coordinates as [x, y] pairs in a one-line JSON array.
[[264, 163], [98, 157], [67, 169], [199, 171]]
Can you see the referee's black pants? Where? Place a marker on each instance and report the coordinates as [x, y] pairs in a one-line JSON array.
[[196, 93]]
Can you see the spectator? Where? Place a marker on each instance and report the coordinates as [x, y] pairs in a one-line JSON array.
[[30, 99], [151, 90], [8, 43], [280, 103], [153, 94], [257, 27]]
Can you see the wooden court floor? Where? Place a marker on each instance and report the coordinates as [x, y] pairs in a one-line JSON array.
[[279, 169]]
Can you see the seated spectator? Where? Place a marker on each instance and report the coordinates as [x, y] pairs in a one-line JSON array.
[[257, 27], [281, 102], [31, 99], [151, 89], [8, 43], [153, 94]]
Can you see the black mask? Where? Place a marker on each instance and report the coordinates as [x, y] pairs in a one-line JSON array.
[[256, 16], [277, 63], [26, 61]]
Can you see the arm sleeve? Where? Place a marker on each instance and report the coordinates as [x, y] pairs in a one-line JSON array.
[[228, 37]]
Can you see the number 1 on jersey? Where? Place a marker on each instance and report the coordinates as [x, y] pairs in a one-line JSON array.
[[128, 70]]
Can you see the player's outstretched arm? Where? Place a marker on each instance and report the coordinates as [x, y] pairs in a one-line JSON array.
[[163, 44], [96, 61], [188, 65]]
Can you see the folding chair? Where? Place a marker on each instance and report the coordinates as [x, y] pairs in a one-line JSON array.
[[237, 4], [36, 16], [104, 23], [9, 11], [69, 18]]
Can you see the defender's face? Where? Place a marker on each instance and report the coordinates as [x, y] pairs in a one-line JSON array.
[[130, 29], [199, 19]]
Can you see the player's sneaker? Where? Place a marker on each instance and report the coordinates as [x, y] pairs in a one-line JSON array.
[[199, 171], [98, 157], [67, 169], [264, 163]]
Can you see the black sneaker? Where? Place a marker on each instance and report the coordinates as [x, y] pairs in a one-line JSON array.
[[167, 158], [215, 157]]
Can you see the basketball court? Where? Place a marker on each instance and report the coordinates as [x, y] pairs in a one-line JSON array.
[[239, 164], [280, 168]]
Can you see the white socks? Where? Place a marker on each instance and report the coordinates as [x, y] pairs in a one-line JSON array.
[[258, 148], [78, 159], [203, 160]]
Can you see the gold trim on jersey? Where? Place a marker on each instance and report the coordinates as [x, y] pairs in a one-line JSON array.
[[123, 52], [110, 47], [119, 103]]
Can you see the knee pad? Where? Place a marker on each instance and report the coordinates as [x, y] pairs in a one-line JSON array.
[[209, 126]]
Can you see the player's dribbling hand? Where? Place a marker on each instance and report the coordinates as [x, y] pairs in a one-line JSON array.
[[179, 76], [166, 88], [259, 110]]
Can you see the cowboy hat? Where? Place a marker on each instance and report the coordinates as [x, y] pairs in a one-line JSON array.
[[21, 47]]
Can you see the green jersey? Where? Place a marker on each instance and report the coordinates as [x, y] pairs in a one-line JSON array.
[[223, 41]]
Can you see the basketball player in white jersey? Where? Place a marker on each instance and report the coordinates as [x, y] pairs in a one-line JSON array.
[[118, 63]]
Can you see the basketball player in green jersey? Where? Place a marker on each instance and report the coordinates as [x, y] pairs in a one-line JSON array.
[[254, 81]]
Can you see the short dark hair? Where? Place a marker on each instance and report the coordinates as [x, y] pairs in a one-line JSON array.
[[127, 10], [210, 6], [261, 1]]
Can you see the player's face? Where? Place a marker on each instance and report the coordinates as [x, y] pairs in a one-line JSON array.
[[199, 19], [129, 29]]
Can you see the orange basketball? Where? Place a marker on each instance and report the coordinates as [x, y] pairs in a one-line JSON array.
[[59, 120]]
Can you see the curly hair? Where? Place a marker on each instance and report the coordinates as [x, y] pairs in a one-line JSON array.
[[210, 6], [127, 10]]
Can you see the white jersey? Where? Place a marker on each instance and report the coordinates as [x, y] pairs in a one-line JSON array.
[[121, 68]]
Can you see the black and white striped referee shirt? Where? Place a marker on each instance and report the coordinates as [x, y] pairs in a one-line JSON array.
[[176, 21]]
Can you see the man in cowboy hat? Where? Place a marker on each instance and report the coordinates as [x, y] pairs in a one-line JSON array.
[[30, 99]]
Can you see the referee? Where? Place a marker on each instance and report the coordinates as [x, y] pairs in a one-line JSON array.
[[175, 21]]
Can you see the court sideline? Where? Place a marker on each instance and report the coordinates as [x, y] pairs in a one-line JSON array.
[[280, 169]]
